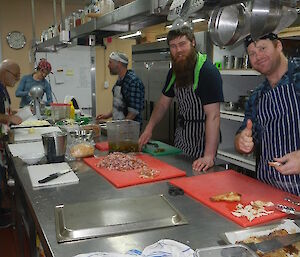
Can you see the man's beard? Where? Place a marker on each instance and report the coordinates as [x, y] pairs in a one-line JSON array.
[[184, 69]]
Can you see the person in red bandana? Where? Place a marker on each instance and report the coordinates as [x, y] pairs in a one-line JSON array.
[[37, 78]]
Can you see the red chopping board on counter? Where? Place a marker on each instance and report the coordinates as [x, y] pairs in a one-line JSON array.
[[204, 186], [102, 146], [131, 177]]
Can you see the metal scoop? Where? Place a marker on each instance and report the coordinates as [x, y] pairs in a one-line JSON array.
[[287, 209]]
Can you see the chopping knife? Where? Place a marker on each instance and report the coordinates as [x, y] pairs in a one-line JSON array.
[[275, 243], [53, 176], [156, 146]]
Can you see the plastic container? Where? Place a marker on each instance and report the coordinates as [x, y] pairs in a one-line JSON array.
[[60, 111], [72, 110], [106, 6], [123, 136], [225, 251]]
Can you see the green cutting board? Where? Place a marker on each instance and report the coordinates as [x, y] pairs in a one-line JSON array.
[[150, 149]]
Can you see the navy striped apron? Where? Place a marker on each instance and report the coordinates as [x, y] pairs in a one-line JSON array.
[[190, 134], [279, 118]]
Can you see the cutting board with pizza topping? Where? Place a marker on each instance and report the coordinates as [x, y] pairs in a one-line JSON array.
[[132, 177], [205, 186]]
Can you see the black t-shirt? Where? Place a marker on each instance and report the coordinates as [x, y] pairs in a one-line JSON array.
[[209, 86]]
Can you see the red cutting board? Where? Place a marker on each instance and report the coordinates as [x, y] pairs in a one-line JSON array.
[[102, 146], [205, 186], [131, 177]]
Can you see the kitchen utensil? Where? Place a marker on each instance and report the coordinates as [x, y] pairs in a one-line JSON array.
[[158, 148], [31, 158], [104, 218], [55, 146], [265, 17], [36, 92], [287, 209], [226, 62], [230, 106], [289, 15], [205, 186], [53, 176], [275, 243], [123, 135], [293, 201], [238, 62], [191, 6], [132, 177], [237, 250], [229, 24], [246, 62], [38, 172]]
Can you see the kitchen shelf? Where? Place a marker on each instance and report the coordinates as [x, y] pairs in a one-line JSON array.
[[230, 115], [242, 160], [130, 17], [242, 72]]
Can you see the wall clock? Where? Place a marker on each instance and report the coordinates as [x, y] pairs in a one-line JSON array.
[[16, 39]]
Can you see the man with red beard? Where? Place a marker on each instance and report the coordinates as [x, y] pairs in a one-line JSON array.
[[197, 85], [272, 115]]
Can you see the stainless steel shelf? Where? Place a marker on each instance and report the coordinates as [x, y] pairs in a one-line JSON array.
[[229, 115], [130, 17], [243, 72], [242, 160]]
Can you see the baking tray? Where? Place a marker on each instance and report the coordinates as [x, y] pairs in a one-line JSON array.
[[114, 216], [233, 237]]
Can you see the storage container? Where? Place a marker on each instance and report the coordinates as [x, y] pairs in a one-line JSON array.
[[60, 111], [123, 135]]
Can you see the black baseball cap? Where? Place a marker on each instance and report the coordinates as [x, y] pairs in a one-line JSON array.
[[248, 40]]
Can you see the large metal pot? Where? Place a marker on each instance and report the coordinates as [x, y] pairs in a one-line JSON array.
[[229, 24], [55, 146]]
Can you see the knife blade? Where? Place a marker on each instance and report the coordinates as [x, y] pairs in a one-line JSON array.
[[53, 176], [275, 243]]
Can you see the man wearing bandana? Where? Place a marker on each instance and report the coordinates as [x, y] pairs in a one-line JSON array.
[[197, 85], [272, 115], [128, 91]]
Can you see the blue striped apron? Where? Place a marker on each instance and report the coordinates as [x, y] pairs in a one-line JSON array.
[[278, 115], [190, 134]]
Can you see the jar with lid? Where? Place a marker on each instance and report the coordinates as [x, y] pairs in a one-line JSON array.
[[106, 6], [78, 18]]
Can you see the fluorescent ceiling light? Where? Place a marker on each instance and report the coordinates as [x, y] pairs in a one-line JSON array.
[[193, 21], [161, 39], [138, 33]]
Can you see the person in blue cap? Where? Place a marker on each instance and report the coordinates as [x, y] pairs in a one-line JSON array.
[[272, 115], [197, 85]]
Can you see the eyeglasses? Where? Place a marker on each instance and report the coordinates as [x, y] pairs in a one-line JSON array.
[[17, 76]]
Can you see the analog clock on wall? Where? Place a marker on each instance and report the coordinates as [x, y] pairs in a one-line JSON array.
[[16, 39]]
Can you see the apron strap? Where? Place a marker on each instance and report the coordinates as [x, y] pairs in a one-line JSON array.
[[201, 58]]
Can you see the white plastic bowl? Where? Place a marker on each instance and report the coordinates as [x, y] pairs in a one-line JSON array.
[[31, 158]]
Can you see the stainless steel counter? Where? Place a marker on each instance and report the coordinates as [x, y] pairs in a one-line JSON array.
[[203, 229]]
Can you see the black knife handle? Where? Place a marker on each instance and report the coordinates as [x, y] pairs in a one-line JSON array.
[[49, 178]]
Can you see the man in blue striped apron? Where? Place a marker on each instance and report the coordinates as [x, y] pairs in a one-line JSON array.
[[197, 85], [272, 116]]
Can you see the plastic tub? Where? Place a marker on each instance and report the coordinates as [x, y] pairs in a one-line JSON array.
[[123, 136], [60, 111]]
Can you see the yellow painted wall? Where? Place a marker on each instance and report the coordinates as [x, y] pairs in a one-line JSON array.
[[104, 96], [16, 15]]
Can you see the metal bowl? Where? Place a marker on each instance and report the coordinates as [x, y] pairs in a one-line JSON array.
[[230, 106]]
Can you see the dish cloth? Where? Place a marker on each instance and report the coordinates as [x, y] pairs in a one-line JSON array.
[[162, 248]]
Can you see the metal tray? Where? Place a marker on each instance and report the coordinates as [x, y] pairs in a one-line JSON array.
[[114, 216], [225, 251], [242, 234]]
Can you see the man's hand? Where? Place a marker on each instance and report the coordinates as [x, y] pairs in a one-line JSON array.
[[290, 163], [13, 119], [244, 141], [103, 116], [203, 164], [144, 138]]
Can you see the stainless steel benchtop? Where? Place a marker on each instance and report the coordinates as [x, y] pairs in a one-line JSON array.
[[202, 231]]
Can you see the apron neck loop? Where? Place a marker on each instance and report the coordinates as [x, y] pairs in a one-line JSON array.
[[201, 58]]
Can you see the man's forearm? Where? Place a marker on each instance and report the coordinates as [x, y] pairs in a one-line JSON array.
[[212, 134], [130, 116]]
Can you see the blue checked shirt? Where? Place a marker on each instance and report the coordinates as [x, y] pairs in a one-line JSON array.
[[251, 105], [131, 98]]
